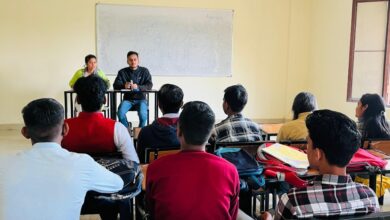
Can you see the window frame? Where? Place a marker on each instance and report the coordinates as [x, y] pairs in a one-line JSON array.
[[386, 63]]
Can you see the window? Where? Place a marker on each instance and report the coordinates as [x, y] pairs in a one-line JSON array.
[[369, 50]]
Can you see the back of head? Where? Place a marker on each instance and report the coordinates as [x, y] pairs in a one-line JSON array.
[[374, 120], [90, 92], [335, 134], [196, 122], [303, 102], [43, 119], [170, 98], [236, 97]]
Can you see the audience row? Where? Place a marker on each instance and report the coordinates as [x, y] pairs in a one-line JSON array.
[[191, 184]]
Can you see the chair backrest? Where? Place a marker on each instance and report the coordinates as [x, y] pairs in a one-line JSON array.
[[152, 154], [111, 155], [250, 147]]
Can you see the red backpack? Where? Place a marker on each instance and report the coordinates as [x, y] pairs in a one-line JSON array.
[[362, 159], [275, 168]]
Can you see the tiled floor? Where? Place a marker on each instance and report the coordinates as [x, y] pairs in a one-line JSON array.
[[11, 141]]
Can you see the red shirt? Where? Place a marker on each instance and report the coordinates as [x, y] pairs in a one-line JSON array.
[[90, 132], [192, 185]]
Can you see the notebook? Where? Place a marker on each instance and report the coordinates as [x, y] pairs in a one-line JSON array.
[[288, 155]]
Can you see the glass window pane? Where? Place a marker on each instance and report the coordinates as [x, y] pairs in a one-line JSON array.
[[367, 73], [371, 21]]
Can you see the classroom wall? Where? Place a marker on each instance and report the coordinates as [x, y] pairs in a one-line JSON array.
[[329, 54], [280, 47], [44, 42]]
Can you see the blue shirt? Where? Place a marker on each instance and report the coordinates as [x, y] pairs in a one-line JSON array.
[[49, 182]]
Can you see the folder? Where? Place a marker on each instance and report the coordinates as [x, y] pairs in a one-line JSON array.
[[288, 155]]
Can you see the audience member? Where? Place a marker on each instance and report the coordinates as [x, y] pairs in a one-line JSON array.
[[236, 127], [193, 184], [332, 141], [47, 181], [137, 79], [162, 132], [295, 130], [370, 112], [90, 132]]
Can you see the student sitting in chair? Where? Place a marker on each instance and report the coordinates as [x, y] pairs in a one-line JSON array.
[[162, 132], [47, 181], [370, 112], [295, 130], [193, 184], [332, 141], [90, 132], [235, 127]]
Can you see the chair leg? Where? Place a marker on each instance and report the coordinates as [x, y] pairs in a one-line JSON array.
[[245, 202], [380, 200]]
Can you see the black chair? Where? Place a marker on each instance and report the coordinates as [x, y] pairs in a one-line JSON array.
[[152, 154], [109, 209]]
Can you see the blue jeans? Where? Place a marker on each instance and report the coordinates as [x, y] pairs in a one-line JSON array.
[[126, 105]]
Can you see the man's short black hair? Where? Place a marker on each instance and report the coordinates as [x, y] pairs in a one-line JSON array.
[[196, 122], [236, 97], [43, 119], [132, 53], [335, 134], [170, 98], [90, 92], [88, 57]]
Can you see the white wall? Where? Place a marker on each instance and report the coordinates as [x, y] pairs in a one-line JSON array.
[[280, 47]]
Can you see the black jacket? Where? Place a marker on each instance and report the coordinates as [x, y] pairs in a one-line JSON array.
[[140, 76], [156, 135]]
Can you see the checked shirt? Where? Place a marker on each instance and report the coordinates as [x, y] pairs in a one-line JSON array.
[[328, 195]]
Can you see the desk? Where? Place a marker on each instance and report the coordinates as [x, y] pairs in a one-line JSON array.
[[111, 102], [270, 130]]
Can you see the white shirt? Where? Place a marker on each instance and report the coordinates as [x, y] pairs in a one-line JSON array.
[[48, 182], [124, 143]]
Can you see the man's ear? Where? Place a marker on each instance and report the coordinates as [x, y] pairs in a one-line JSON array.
[[319, 154], [24, 132], [78, 100], [181, 104], [104, 100], [65, 129]]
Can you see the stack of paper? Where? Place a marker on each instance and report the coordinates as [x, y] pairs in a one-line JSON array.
[[288, 155]]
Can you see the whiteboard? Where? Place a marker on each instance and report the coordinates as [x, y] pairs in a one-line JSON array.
[[170, 41]]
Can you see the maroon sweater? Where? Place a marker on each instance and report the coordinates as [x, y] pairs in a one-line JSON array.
[[90, 132], [192, 185]]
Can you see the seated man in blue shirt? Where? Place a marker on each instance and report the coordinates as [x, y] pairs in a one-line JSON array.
[[332, 141], [162, 132], [47, 181]]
